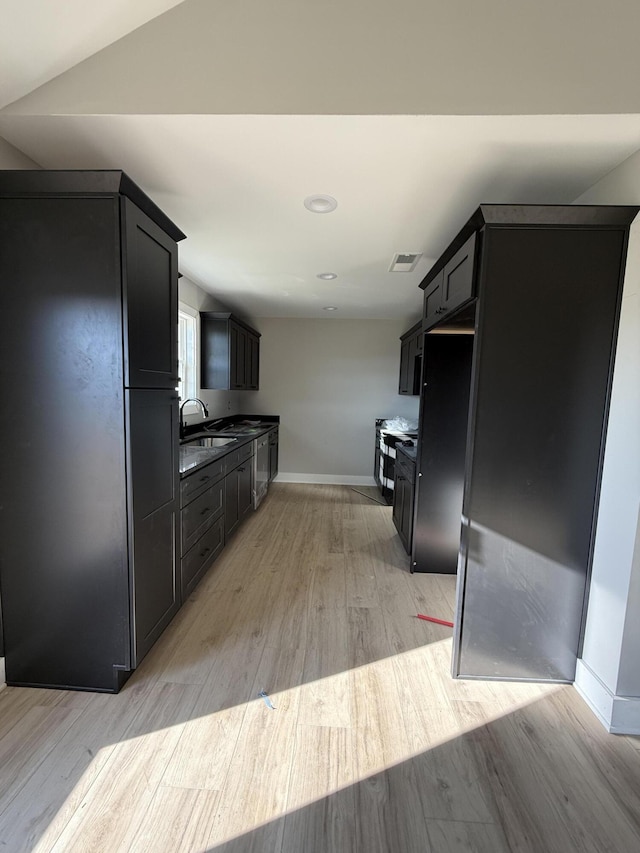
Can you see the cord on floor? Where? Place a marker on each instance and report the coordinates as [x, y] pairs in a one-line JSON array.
[[382, 503]]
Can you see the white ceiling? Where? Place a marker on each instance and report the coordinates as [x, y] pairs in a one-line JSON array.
[[235, 184]]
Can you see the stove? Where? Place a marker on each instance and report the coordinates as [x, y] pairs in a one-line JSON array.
[[385, 454]]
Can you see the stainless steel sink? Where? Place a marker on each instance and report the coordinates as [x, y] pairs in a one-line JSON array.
[[208, 441]]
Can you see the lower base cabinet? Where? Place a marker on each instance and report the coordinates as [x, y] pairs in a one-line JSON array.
[[198, 559], [202, 496], [214, 500], [403, 499], [273, 453], [238, 488]]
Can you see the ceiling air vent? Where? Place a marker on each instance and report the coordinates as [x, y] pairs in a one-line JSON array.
[[404, 263]]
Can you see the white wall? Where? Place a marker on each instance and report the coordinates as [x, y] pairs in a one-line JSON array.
[[359, 57], [609, 672], [329, 380], [220, 403], [13, 158]]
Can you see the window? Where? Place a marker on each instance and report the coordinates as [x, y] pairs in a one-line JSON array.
[[187, 348]]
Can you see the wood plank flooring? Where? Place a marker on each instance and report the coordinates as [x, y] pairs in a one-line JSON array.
[[370, 746]]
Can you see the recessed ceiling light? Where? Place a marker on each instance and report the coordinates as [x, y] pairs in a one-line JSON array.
[[330, 308], [327, 276], [320, 203]]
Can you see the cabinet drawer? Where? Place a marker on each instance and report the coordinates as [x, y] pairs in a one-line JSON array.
[[237, 456], [196, 561], [201, 480], [405, 467], [200, 514]]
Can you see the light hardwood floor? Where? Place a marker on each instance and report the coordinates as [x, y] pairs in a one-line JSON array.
[[370, 747]]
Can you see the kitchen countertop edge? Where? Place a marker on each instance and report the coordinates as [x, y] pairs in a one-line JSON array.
[[219, 453]]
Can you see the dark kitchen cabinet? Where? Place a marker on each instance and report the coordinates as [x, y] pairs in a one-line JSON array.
[[411, 361], [238, 487], [230, 353], [517, 380], [442, 452], [237, 354], [403, 498], [153, 507], [245, 483], [150, 283], [202, 522], [253, 365], [273, 453], [197, 562], [88, 478], [452, 286], [433, 301]]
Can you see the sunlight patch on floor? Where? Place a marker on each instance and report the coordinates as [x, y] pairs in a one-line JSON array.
[[381, 734]]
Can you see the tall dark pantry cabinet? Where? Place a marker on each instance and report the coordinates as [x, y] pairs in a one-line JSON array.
[[520, 323], [88, 463]]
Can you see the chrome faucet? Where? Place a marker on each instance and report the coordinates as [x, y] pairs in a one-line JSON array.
[[205, 411]]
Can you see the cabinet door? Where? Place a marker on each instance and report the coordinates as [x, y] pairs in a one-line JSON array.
[[238, 356], [253, 362], [245, 497], [403, 505], [433, 302], [150, 307], [273, 458], [398, 497], [415, 365], [403, 385], [153, 512], [407, 513], [458, 277], [442, 453], [231, 506]]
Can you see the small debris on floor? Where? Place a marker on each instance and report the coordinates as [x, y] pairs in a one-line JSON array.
[[434, 619], [267, 701]]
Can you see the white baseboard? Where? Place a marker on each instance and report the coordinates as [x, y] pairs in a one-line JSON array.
[[325, 479], [619, 715]]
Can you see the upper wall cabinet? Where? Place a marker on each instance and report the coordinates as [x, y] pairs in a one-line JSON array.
[[411, 361], [452, 286], [230, 353], [150, 285]]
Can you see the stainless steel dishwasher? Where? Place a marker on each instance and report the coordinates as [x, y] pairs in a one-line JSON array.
[[260, 468]]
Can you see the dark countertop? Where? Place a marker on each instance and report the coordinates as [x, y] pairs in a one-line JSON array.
[[193, 457], [409, 452]]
